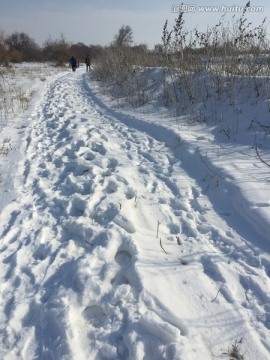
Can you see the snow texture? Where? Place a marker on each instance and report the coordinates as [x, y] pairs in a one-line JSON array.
[[117, 244]]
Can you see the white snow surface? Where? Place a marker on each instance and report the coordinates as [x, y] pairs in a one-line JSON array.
[[127, 236]]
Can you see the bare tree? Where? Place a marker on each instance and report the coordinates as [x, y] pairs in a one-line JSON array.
[[22, 43], [57, 50], [124, 37], [3, 49]]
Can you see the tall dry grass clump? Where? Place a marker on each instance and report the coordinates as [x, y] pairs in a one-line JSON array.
[[224, 63], [122, 70]]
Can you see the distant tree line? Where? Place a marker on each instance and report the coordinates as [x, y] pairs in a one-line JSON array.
[[20, 47]]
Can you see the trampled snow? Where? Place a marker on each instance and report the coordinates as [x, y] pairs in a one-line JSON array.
[[128, 235]]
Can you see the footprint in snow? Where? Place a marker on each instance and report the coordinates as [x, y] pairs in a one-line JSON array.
[[120, 279], [211, 268], [130, 193], [99, 148], [152, 186], [174, 228], [69, 152], [70, 186], [95, 315], [123, 258], [81, 169], [77, 207], [112, 163], [112, 187], [58, 162], [89, 156], [41, 252]]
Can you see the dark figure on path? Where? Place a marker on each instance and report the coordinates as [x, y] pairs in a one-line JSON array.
[[73, 63], [87, 62]]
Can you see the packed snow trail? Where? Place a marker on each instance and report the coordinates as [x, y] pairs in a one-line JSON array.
[[111, 251]]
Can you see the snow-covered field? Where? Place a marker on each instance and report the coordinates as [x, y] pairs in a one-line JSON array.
[[128, 235]]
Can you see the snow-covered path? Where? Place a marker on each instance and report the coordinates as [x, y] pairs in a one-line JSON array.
[[111, 250]]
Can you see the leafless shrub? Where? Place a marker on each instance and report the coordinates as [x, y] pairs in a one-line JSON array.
[[120, 69], [56, 50], [231, 55], [234, 351]]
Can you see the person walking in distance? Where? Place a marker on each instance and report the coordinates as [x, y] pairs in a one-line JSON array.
[[73, 63], [87, 62]]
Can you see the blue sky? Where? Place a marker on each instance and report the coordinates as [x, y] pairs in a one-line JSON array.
[[96, 22]]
